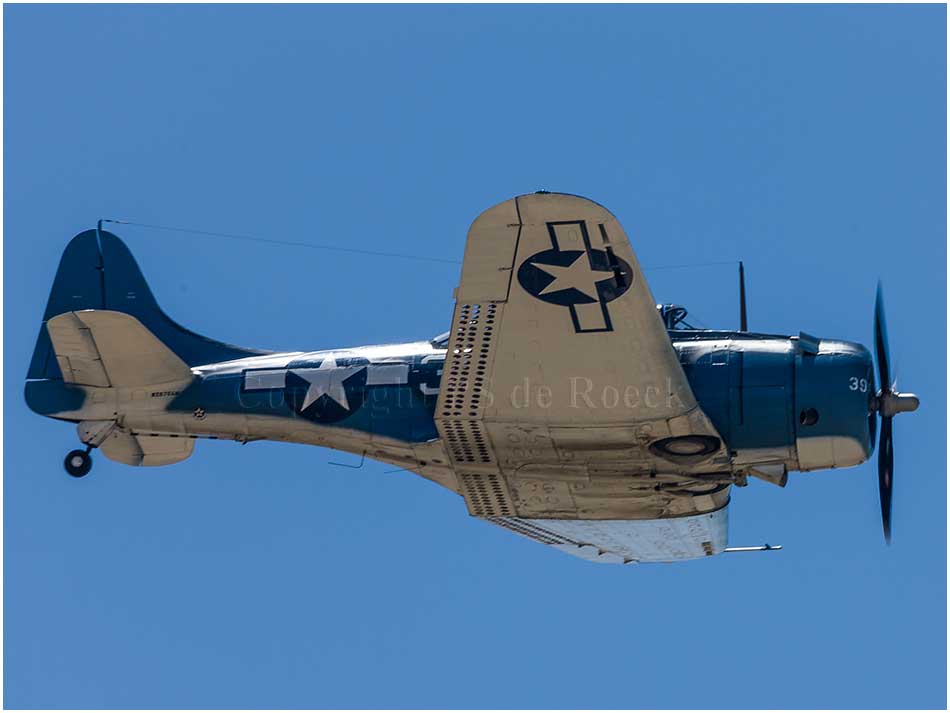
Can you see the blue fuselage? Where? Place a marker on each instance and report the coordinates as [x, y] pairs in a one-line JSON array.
[[771, 399], [768, 398]]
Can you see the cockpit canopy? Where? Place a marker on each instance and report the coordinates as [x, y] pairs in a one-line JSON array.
[[674, 316], [441, 341]]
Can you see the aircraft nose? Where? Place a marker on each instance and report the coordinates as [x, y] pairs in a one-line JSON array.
[[834, 390]]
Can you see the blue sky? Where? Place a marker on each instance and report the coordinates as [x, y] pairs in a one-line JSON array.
[[807, 140]]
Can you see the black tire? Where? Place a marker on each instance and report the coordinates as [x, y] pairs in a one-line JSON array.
[[78, 463]]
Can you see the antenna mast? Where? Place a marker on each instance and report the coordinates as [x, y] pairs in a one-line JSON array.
[[743, 318]]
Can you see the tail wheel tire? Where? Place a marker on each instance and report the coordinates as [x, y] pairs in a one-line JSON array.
[[78, 463]]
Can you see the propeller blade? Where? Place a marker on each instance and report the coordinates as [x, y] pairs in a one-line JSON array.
[[881, 349], [885, 474]]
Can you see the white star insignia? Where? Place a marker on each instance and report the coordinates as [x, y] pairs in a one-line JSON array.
[[578, 275], [327, 380]]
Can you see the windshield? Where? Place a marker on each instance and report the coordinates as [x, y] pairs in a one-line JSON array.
[[674, 316], [441, 341]]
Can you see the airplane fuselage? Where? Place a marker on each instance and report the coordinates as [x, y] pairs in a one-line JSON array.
[[779, 407]]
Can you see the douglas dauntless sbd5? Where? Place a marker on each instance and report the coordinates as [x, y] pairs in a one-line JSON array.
[[633, 428]]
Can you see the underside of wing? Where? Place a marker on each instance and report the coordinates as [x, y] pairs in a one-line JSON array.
[[628, 541], [562, 396]]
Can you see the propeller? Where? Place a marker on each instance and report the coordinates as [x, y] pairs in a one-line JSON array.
[[886, 403]]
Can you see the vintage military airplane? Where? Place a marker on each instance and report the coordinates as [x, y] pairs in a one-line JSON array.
[[563, 404]]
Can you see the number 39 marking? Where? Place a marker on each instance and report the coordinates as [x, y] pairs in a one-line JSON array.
[[856, 384]]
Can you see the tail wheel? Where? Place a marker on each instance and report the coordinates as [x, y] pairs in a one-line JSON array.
[[78, 463]]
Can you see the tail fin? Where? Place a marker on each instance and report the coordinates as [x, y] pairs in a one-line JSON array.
[[97, 271]]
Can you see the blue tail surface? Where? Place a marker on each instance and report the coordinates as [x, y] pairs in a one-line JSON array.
[[97, 271]]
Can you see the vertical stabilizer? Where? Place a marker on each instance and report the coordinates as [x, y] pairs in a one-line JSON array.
[[97, 271]]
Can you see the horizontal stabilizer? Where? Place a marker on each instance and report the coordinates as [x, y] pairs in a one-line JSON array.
[[124, 447], [105, 348]]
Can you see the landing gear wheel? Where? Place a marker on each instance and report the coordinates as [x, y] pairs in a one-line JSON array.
[[78, 463]]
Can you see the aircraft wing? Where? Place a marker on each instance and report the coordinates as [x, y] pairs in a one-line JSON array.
[[562, 396], [628, 541]]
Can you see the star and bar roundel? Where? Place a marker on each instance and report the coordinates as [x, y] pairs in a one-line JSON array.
[[329, 389], [575, 275]]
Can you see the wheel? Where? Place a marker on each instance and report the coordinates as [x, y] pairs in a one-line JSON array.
[[78, 463]]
